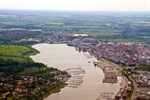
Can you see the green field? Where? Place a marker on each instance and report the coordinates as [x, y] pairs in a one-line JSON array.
[[122, 26], [15, 64], [16, 53]]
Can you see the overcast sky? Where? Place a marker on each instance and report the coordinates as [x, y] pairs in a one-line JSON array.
[[98, 5]]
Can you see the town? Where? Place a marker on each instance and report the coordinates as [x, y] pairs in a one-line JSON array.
[[129, 60], [133, 60], [32, 83], [21, 78], [119, 41]]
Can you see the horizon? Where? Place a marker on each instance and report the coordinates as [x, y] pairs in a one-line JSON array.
[[48, 10]]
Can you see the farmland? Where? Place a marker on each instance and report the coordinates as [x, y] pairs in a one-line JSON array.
[[16, 67], [21, 29], [46, 24], [16, 53]]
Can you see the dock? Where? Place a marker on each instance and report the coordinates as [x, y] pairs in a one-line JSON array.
[[76, 79], [106, 96], [109, 72]]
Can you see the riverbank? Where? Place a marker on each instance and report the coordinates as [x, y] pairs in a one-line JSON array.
[[110, 73], [22, 78], [88, 78], [107, 66], [127, 85]]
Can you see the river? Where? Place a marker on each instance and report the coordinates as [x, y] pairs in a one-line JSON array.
[[63, 57]]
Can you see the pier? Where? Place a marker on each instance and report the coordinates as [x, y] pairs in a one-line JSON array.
[[106, 96], [109, 72], [76, 77]]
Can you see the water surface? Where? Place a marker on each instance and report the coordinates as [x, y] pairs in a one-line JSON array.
[[63, 57]]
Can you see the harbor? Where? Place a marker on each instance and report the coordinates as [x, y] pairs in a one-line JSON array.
[[106, 96], [76, 79], [86, 82], [110, 75]]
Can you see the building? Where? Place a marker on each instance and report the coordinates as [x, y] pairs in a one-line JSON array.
[[110, 77]]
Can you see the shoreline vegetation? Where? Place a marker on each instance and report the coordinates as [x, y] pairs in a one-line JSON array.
[[23, 79], [21, 76]]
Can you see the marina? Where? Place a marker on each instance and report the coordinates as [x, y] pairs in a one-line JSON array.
[[106, 96], [76, 77], [86, 82]]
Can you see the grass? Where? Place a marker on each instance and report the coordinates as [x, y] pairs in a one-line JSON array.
[[13, 50], [118, 40], [109, 31], [144, 68], [18, 59], [103, 32], [16, 53]]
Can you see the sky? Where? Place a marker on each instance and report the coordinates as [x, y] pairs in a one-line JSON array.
[[81, 5]]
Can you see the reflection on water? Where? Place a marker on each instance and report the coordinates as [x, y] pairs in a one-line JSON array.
[[63, 57]]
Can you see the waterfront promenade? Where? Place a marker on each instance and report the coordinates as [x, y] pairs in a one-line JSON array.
[[116, 70]]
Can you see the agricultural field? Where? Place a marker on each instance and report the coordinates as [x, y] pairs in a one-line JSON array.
[[114, 25], [15, 64], [21, 29], [16, 53]]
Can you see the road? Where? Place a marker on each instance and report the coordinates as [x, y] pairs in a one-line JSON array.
[[108, 63], [133, 97]]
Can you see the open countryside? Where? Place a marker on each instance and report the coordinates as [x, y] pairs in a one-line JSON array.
[[83, 55]]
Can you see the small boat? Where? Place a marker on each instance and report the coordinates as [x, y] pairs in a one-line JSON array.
[[89, 61]]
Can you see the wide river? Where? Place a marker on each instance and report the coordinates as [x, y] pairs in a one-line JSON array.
[[63, 57]]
